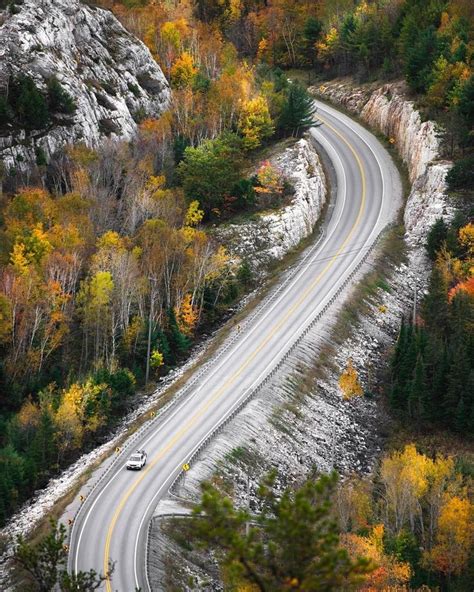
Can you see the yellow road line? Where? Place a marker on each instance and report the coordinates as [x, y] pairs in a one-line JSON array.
[[232, 379]]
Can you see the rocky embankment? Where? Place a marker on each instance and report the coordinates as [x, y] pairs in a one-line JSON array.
[[110, 75], [268, 237], [388, 110], [299, 421]]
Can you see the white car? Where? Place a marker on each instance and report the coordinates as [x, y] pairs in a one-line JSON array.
[[137, 461]]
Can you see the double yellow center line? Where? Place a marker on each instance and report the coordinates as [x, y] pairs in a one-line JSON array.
[[185, 429]]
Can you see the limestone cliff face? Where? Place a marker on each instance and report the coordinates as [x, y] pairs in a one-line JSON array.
[[110, 74], [388, 110], [270, 236]]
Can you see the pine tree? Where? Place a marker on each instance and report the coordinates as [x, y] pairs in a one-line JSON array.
[[161, 343], [44, 563], [311, 33], [59, 100], [292, 543], [406, 367], [437, 364], [417, 391], [420, 57], [43, 449], [28, 103], [435, 304], [178, 342], [297, 113], [436, 237]]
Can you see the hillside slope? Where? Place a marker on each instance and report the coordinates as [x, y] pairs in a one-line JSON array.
[[110, 76]]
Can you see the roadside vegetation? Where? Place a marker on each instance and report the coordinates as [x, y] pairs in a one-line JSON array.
[[108, 276]]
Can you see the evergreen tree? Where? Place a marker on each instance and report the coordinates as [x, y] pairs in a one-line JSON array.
[[59, 100], [466, 103], [437, 365], [436, 237], [210, 171], [178, 342], [311, 33], [297, 113], [406, 369], [420, 57], [43, 449], [292, 543], [161, 343], [435, 305], [417, 392], [28, 103], [44, 563]]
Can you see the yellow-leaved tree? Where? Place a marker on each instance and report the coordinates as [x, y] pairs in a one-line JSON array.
[[194, 214], [183, 71], [388, 573], [255, 122], [454, 538], [349, 382]]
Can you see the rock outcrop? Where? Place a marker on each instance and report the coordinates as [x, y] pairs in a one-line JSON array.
[[270, 236], [388, 110], [110, 75]]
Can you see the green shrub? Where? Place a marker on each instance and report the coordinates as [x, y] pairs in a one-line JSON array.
[[59, 100], [210, 172], [28, 103], [461, 176]]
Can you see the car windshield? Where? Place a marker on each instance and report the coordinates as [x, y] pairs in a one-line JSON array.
[[135, 457]]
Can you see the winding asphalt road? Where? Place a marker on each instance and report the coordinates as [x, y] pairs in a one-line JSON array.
[[112, 522]]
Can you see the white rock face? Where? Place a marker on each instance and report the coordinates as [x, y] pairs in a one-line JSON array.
[[271, 236], [388, 110], [109, 73], [417, 142]]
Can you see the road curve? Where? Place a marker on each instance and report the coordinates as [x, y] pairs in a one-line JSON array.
[[113, 520]]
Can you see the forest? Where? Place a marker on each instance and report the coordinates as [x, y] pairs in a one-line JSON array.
[[109, 273]]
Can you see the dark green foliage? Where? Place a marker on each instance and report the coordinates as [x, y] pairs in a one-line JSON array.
[[419, 60], [297, 113], [211, 171], [466, 103], [293, 539], [179, 343], [201, 83], [59, 100], [461, 176], [245, 274], [179, 146], [29, 457], [45, 565], [244, 194], [41, 159], [435, 305], [311, 33], [28, 103], [119, 387], [436, 237], [433, 361], [6, 113], [210, 10], [133, 88]]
